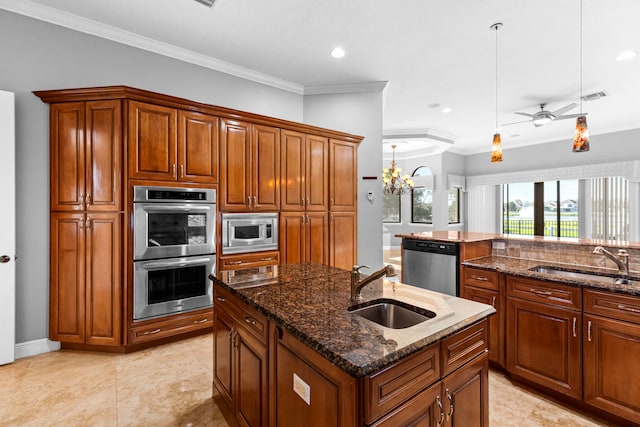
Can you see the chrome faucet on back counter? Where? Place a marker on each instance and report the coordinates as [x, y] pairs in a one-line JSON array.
[[357, 284], [621, 258]]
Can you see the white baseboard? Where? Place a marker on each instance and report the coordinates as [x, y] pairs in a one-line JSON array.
[[32, 348]]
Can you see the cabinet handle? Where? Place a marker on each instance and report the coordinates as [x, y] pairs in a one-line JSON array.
[[493, 302], [307, 202], [625, 308], [575, 333], [221, 299], [234, 262], [480, 278], [266, 259], [88, 226], [155, 331], [589, 330], [250, 320], [441, 420], [249, 200], [331, 201], [196, 322], [173, 169], [450, 414], [181, 171], [331, 219], [87, 199], [83, 200], [255, 201], [541, 293]]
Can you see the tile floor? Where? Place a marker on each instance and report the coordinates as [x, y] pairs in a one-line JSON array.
[[170, 385]]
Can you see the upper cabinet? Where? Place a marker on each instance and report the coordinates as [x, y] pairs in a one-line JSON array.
[[171, 145], [304, 172], [250, 166], [86, 156], [343, 179]]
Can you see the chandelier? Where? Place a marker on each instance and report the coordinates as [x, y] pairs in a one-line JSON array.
[[392, 183]]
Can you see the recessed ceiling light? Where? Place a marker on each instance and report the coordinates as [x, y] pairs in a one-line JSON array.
[[447, 110], [626, 55], [337, 52], [434, 105]]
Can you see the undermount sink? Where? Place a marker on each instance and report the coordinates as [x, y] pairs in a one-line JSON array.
[[392, 314], [614, 278]]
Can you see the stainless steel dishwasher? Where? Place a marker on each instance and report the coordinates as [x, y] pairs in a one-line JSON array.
[[431, 265]]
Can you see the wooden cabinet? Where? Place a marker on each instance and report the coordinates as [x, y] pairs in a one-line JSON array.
[[171, 145], [169, 326], [250, 167], [256, 259], [611, 338], [86, 156], [304, 237], [241, 359], [85, 284], [544, 334], [484, 286], [343, 239], [304, 172], [343, 175]]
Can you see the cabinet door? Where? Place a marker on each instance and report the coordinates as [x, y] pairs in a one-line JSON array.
[[103, 136], [265, 161], [423, 410], [223, 334], [465, 395], [103, 279], [251, 370], [496, 328], [235, 166], [343, 239], [545, 345], [316, 173], [67, 278], [343, 170], [67, 156], [197, 147], [292, 237], [292, 172], [152, 141], [611, 374], [317, 237]]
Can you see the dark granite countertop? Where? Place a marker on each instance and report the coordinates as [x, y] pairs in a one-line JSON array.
[[522, 268], [311, 300]]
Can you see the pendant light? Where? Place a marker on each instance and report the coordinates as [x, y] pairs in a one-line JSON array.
[[496, 146], [581, 135]]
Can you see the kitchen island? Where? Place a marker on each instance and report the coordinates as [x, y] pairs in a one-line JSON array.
[[288, 351]]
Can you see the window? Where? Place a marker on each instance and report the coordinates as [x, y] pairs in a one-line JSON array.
[[422, 197], [542, 208], [391, 208], [454, 205]]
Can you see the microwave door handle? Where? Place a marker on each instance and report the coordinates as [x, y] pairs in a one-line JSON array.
[[161, 265]]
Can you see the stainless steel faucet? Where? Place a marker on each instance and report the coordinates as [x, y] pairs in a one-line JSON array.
[[357, 284], [621, 259]]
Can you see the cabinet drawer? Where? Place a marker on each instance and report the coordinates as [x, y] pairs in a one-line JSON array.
[[250, 319], [608, 304], [389, 388], [463, 346], [170, 326], [248, 260], [545, 292], [481, 278]]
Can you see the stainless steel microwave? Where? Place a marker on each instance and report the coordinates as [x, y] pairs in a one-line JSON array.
[[249, 232]]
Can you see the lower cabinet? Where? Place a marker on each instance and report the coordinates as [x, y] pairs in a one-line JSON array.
[[343, 239], [168, 326], [248, 260], [240, 367]]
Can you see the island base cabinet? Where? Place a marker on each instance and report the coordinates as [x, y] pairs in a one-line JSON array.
[[611, 372]]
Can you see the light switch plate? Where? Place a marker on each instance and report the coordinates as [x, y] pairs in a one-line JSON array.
[[302, 389]]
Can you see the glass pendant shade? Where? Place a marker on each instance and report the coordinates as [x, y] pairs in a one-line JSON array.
[[581, 137], [496, 149]]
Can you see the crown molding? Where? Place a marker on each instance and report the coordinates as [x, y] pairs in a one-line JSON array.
[[94, 28], [346, 88]]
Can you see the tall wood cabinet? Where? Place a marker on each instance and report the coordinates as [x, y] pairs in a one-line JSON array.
[[86, 222]]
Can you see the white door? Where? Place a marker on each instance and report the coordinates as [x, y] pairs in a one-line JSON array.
[[7, 229]]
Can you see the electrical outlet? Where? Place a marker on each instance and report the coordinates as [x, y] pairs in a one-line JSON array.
[[302, 389]]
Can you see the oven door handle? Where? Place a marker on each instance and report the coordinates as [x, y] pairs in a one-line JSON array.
[[168, 264], [181, 208]]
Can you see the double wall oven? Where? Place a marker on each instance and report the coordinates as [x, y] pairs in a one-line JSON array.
[[173, 249]]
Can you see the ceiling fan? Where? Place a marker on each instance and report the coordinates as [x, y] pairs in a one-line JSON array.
[[544, 116]]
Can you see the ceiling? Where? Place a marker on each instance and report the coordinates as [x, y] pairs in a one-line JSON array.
[[433, 54]]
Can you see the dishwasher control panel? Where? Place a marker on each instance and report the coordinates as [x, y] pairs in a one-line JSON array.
[[430, 246]]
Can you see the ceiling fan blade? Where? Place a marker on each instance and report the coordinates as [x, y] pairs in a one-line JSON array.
[[570, 116], [561, 111], [514, 123], [525, 114]]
